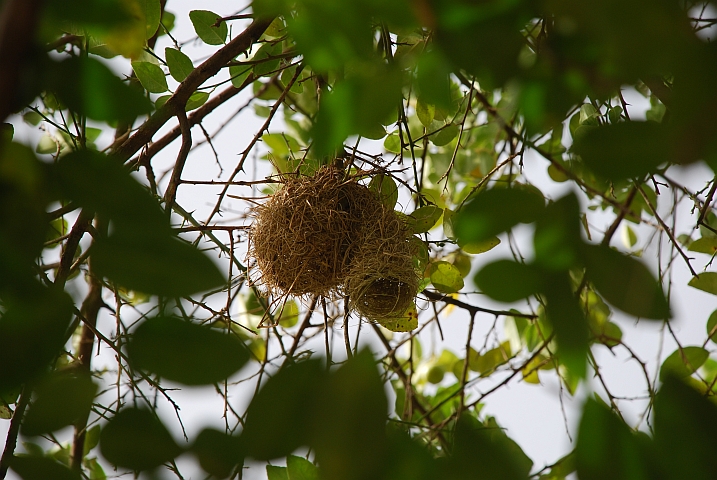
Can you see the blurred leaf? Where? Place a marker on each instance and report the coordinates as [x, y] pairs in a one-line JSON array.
[[31, 467], [487, 363], [625, 282], [276, 473], [497, 210], [203, 22], [150, 76], [706, 281], [629, 237], [706, 245], [61, 399], [404, 323], [156, 264], [606, 448], [385, 187], [567, 319], [445, 135], [282, 414], [152, 13], [486, 452], [136, 439], [101, 184], [351, 442], [180, 65], [88, 87], [685, 432], [360, 103], [299, 468], [683, 362], [184, 352], [624, 150], [557, 238], [433, 80], [509, 281], [424, 218], [445, 277], [33, 330], [218, 453], [289, 314]]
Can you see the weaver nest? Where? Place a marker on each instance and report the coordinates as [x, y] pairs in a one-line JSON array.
[[328, 234]]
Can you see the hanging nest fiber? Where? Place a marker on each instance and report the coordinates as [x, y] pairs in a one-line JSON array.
[[382, 282], [305, 237]]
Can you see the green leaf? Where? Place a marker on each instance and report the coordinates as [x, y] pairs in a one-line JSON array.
[[239, 74], [33, 330], [136, 439], [392, 143], [445, 135], [624, 150], [433, 79], [180, 65], [31, 467], [152, 13], [385, 187], [424, 218], [150, 76], [683, 362], [196, 100], [155, 264], [300, 468], [706, 245], [88, 87], [485, 451], [203, 21], [101, 184], [706, 281], [509, 281], [475, 248], [277, 473], [217, 452], [557, 238], [61, 399], [262, 56], [281, 416], [625, 282], [425, 113], [566, 317], [445, 277], [184, 352], [685, 432], [495, 211], [352, 440], [606, 448], [712, 327]]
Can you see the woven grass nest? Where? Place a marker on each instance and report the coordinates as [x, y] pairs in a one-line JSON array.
[[329, 235]]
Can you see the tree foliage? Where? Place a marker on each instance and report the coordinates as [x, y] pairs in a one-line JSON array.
[[116, 287]]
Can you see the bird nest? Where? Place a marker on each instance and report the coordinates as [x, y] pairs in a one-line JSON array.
[[327, 234]]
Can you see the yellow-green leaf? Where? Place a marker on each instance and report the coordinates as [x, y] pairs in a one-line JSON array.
[[404, 323], [445, 277], [424, 219]]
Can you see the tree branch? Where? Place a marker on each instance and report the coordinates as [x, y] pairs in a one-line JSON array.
[[199, 75]]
